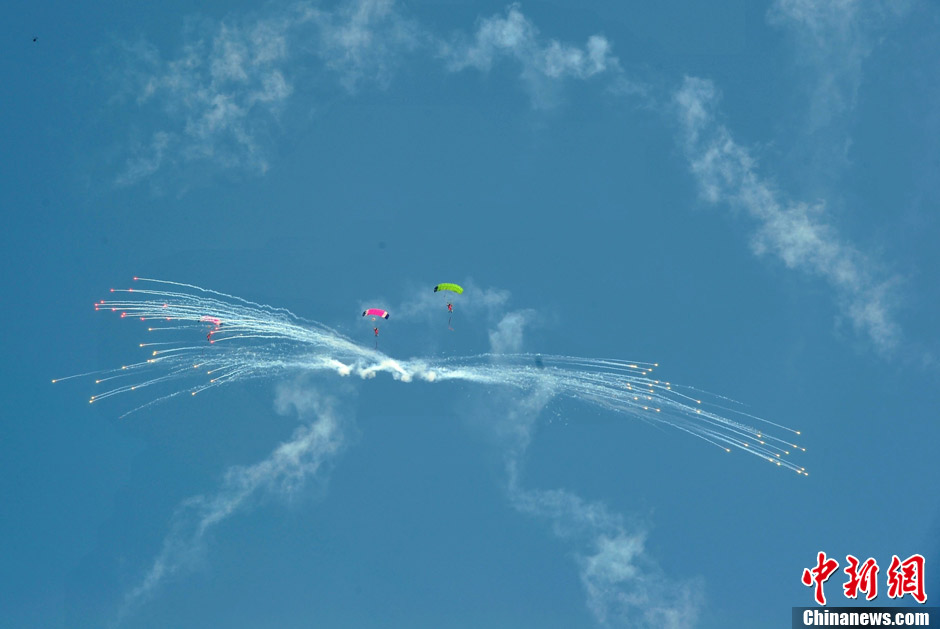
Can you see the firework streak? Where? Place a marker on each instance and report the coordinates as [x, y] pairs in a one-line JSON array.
[[226, 339]]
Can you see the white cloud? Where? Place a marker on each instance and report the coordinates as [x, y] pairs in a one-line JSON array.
[[624, 586], [292, 464], [796, 232], [364, 40], [834, 37], [223, 94], [219, 95], [516, 38], [424, 303], [830, 37], [507, 337], [147, 159]]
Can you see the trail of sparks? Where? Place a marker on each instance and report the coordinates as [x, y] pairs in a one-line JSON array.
[[225, 339]]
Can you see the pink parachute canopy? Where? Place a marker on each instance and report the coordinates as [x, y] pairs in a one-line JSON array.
[[375, 312]]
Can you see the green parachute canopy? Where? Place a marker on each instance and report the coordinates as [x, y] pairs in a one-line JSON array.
[[455, 288]]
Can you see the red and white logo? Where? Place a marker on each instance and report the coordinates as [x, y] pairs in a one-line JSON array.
[[903, 577]]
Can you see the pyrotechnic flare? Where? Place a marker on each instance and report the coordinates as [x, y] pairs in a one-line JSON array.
[[251, 340]]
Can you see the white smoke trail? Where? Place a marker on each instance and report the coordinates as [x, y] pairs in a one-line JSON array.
[[246, 340], [312, 447], [624, 586]]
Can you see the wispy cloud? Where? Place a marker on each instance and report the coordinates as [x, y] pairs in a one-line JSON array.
[[623, 585], [542, 62], [218, 96], [292, 464], [832, 39], [795, 232], [146, 159], [364, 40], [422, 303], [221, 97], [507, 337]]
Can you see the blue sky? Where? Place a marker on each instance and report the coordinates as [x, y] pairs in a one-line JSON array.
[[743, 193]]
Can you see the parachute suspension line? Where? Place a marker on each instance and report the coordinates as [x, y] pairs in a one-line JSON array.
[[452, 288]]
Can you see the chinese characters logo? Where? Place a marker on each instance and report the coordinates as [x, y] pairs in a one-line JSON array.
[[903, 577]]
